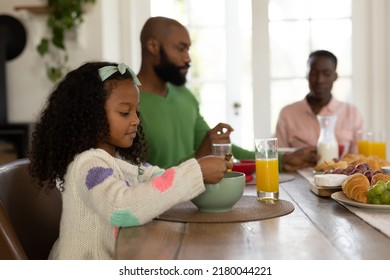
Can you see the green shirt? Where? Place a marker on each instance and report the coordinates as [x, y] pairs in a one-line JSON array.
[[174, 127]]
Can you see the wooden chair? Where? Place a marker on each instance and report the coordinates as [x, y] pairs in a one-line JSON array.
[[29, 217]]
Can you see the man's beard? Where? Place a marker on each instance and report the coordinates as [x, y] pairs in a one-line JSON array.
[[168, 71]]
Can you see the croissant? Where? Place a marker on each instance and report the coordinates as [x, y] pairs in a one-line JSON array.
[[350, 158], [378, 177], [330, 165], [355, 187]]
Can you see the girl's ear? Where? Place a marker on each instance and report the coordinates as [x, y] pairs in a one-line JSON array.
[[153, 46]]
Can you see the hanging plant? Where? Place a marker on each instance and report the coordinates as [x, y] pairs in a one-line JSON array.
[[64, 16]]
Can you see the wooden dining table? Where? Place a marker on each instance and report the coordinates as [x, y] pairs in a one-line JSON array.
[[319, 228]]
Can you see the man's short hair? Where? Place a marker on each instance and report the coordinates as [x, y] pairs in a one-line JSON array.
[[324, 53]]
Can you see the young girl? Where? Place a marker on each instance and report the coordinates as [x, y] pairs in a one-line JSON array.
[[89, 143]]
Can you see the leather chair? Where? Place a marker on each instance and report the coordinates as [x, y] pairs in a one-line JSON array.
[[29, 217]]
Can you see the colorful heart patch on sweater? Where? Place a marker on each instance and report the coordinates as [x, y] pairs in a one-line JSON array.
[[97, 175], [124, 218], [165, 181]]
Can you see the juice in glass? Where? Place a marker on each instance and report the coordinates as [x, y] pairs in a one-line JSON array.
[[267, 169], [378, 149], [364, 147], [267, 178]]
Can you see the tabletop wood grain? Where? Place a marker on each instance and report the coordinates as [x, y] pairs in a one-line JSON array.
[[318, 228]]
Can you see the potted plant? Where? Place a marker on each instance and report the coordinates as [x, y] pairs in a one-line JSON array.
[[63, 16]]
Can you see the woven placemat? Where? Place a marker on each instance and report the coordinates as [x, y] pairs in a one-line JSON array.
[[248, 208]]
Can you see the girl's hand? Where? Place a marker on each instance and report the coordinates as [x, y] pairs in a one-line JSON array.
[[213, 168]]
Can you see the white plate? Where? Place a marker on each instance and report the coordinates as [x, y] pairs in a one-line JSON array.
[[340, 197], [287, 150]]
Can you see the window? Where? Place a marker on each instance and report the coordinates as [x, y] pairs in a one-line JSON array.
[[297, 28]]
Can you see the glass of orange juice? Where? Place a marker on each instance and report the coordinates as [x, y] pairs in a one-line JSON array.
[[363, 142], [377, 144], [267, 169]]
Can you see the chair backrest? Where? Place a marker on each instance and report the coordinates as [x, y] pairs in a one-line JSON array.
[[29, 217], [10, 247]]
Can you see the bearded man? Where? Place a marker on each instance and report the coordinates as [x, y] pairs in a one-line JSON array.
[[173, 126]]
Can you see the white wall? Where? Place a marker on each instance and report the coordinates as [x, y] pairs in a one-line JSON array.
[[110, 31], [27, 84], [371, 63], [261, 66]]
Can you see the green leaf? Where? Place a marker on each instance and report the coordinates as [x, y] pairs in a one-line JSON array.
[[58, 38], [43, 47], [54, 74], [68, 22]]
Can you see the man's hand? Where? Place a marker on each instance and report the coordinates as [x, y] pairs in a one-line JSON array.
[[301, 158], [219, 134]]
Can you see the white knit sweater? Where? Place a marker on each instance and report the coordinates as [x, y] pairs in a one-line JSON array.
[[102, 193]]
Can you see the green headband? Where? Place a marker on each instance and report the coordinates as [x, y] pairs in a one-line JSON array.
[[106, 72]]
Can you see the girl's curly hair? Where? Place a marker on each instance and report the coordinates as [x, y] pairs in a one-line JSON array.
[[74, 120]]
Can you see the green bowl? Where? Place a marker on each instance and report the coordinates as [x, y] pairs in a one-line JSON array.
[[221, 197]]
